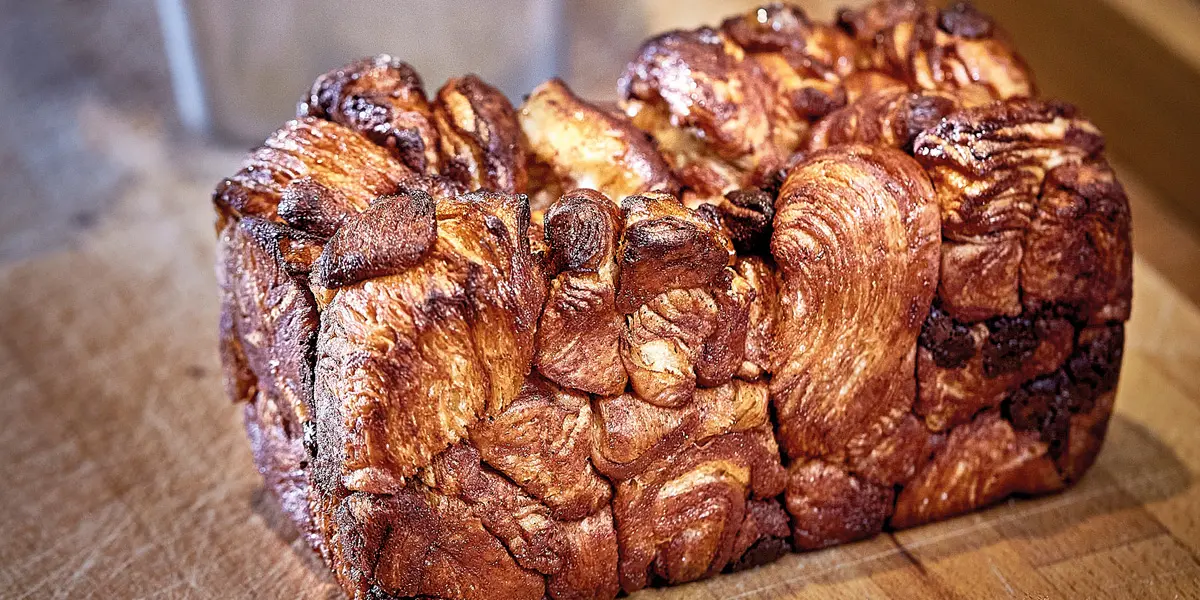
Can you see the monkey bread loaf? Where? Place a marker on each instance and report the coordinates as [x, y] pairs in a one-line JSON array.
[[804, 283]]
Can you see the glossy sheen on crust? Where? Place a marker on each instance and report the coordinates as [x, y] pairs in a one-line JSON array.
[[580, 330], [856, 240], [384, 100], [586, 147], [459, 320], [326, 152], [729, 351], [939, 49], [988, 165], [479, 136]]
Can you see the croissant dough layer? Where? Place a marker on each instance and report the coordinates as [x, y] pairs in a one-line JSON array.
[[806, 282]]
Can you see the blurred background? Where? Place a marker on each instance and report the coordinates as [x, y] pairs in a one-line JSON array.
[[109, 99]]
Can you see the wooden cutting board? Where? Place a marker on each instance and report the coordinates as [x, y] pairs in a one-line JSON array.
[[125, 473]]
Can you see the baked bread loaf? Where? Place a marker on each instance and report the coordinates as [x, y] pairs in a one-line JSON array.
[[807, 282]]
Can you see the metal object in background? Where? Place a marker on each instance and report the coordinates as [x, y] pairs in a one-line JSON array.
[[240, 67]]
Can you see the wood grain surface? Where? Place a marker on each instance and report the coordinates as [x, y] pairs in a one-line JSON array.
[[126, 473]]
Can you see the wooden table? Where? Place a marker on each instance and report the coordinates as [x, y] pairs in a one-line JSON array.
[[125, 472]]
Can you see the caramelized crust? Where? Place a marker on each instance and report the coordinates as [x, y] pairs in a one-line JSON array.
[[421, 543], [723, 350], [714, 126], [804, 63], [856, 236], [389, 237], [384, 100], [460, 392], [867, 23], [688, 313], [982, 462], [631, 433], [1077, 253], [271, 323], [268, 327], [891, 117], [318, 210], [568, 553], [587, 147], [331, 155], [760, 318], [747, 217], [948, 49], [663, 342], [410, 361], [480, 136], [579, 336], [988, 165], [679, 519], [996, 358], [667, 246], [543, 442], [830, 506]]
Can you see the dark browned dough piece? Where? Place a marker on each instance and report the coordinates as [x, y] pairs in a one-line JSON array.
[[804, 283]]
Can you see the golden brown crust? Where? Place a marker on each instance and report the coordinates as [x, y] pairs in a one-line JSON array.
[[1077, 252], [390, 236], [679, 519], [480, 137], [326, 152], [479, 395], [989, 165], [412, 360], [856, 238], [714, 127], [667, 246], [542, 442], [982, 462], [631, 433], [861, 84], [948, 49], [761, 317], [384, 100], [587, 147], [579, 335], [830, 506], [803, 61], [891, 117], [419, 542]]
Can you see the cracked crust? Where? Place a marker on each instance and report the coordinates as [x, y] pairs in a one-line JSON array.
[[725, 351]]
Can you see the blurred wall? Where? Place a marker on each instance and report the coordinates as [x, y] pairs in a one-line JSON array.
[[256, 58]]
